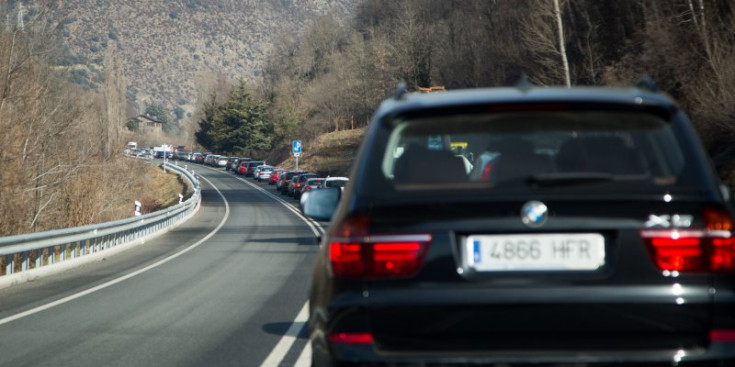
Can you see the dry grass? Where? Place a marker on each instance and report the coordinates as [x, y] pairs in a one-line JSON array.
[[329, 154], [153, 187]]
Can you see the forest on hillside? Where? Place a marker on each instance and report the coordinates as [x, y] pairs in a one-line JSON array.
[[334, 74]]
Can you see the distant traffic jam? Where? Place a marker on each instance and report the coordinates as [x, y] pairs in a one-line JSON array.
[[293, 183]]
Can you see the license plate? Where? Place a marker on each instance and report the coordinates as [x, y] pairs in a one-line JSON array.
[[537, 252]]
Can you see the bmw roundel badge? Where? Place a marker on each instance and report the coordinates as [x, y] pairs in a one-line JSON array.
[[534, 214]]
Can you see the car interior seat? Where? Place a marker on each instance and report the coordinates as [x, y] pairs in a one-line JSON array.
[[608, 154], [518, 161], [418, 164]]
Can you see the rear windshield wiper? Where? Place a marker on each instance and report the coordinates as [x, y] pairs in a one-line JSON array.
[[569, 178]]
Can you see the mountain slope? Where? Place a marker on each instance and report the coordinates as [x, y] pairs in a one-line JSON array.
[[170, 47]]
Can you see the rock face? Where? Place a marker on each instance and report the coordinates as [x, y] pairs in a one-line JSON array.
[[171, 48]]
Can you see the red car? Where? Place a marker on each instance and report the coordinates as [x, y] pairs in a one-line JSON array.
[[274, 176], [242, 166]]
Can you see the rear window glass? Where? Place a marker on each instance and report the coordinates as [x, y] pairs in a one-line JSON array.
[[335, 183], [538, 150]]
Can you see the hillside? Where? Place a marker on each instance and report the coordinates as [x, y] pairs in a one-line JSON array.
[[171, 49], [329, 154]]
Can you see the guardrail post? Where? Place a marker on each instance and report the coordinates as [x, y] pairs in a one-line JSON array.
[[24, 261], [9, 264]]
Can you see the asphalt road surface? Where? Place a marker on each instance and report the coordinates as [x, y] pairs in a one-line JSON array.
[[226, 288]]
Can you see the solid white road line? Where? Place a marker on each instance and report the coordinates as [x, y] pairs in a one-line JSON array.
[[305, 357], [125, 277], [278, 353], [315, 227], [287, 340]]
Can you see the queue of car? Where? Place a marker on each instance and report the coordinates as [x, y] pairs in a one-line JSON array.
[[291, 183]]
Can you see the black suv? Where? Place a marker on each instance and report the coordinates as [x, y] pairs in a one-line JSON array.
[[505, 226]]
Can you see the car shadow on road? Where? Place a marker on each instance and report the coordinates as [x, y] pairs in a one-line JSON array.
[[301, 240], [282, 328]]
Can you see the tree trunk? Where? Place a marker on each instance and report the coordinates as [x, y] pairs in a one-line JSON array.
[[562, 47]]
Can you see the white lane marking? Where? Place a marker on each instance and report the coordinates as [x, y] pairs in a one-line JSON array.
[[315, 227], [305, 357], [278, 353], [287, 340], [125, 277]]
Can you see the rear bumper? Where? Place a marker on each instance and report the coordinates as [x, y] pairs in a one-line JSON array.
[[429, 328], [717, 354]]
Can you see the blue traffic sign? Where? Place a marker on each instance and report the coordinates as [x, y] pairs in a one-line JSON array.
[[296, 146]]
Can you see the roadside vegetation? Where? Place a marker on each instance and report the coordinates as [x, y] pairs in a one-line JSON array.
[[333, 75], [61, 161]]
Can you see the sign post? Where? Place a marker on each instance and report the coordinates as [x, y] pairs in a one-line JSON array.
[[296, 150]]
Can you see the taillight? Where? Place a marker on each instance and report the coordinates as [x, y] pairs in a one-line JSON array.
[[486, 172], [353, 253], [675, 251], [351, 338], [708, 249], [724, 335]]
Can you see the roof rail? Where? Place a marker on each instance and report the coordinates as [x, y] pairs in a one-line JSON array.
[[400, 91], [647, 83]]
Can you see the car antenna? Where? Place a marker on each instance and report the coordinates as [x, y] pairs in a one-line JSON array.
[[400, 91], [647, 83], [523, 83]]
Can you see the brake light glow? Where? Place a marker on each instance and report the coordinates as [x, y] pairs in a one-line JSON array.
[[351, 338], [708, 249], [486, 172], [724, 335], [353, 253], [677, 253]]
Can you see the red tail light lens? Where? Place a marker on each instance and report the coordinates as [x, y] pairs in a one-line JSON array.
[[710, 249], [379, 256], [351, 338], [347, 259], [486, 172], [725, 335], [355, 254], [723, 254], [678, 253]]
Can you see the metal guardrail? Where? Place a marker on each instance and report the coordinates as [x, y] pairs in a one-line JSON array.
[[36, 250]]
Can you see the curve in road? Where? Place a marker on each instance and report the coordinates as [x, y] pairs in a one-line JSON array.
[[180, 300]]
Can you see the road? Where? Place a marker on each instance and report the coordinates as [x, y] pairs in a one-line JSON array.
[[223, 289]]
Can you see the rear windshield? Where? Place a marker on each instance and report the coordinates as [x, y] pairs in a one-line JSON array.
[[336, 183], [254, 164], [534, 150]]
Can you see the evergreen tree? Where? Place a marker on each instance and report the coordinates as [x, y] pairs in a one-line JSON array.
[[206, 123], [239, 125]]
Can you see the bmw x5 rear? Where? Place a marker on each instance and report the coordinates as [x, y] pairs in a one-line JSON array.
[[509, 227]]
